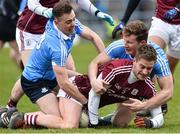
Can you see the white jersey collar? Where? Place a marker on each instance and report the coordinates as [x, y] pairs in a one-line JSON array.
[[132, 78], [61, 34]]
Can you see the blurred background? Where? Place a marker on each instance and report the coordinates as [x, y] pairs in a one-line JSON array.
[[115, 8]]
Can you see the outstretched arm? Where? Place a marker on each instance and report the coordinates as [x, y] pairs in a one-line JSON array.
[[36, 7], [166, 93], [97, 85], [90, 8], [90, 35], [63, 81], [129, 10], [171, 14]]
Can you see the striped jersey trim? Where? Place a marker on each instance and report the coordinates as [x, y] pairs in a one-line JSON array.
[[116, 71]]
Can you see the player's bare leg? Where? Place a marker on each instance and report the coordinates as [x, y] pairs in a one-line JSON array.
[[17, 91], [172, 63], [122, 116], [1, 44], [70, 111], [14, 53], [159, 41], [69, 118], [49, 104]]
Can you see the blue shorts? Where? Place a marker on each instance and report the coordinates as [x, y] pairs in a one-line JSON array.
[[37, 89]]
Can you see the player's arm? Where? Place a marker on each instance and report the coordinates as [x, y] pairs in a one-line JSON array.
[[157, 117], [63, 81], [166, 85], [169, 15], [165, 94], [90, 35], [156, 121], [132, 4], [90, 8], [36, 7], [72, 73], [96, 84], [93, 105]]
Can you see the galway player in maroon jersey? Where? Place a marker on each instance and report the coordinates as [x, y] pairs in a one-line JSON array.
[[165, 32], [124, 80], [127, 81]]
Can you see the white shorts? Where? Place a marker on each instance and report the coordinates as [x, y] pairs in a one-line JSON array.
[[169, 33], [26, 41], [63, 94]]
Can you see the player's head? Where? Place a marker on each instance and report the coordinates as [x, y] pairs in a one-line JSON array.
[[64, 16], [135, 33], [144, 61]]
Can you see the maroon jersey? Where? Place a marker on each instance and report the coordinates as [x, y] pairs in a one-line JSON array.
[[163, 5], [31, 22], [117, 73]]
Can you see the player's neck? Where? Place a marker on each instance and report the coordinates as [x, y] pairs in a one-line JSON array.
[[132, 78]]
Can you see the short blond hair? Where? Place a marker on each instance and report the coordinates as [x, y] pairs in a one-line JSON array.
[[146, 52]]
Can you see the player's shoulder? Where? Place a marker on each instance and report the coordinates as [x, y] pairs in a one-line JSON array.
[[119, 43], [119, 63], [158, 49], [116, 46]]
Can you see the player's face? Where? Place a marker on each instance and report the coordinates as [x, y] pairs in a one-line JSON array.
[[142, 68], [66, 23], [131, 44]]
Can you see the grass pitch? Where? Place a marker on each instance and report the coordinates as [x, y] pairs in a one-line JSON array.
[[82, 54]]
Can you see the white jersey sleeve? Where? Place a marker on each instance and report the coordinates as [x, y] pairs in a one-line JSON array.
[[93, 105], [86, 5], [36, 7], [157, 117]]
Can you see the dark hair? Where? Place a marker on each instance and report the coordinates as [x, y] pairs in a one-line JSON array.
[[146, 52], [62, 7], [137, 28]]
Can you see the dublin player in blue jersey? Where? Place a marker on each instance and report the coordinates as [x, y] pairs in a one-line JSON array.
[[46, 69], [135, 34], [47, 62]]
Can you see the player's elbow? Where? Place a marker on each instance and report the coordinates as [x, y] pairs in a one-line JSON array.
[[169, 94]]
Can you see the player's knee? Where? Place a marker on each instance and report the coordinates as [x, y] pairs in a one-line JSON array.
[[117, 122], [14, 55]]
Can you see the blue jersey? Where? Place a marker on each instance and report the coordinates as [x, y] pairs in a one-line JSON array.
[[161, 68], [53, 49]]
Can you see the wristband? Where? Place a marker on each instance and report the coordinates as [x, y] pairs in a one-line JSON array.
[[97, 11]]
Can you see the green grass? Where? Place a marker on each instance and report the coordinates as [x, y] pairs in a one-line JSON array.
[[82, 54]]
